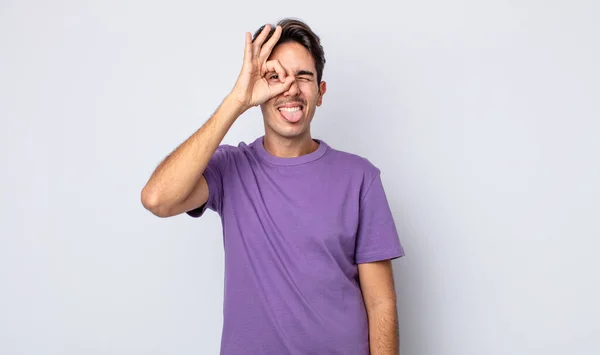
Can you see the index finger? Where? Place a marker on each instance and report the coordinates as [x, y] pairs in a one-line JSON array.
[[275, 66], [266, 49]]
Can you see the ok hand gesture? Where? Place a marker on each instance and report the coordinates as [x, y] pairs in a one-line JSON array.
[[253, 87]]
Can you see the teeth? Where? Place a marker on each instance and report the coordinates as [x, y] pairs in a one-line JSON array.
[[290, 109]]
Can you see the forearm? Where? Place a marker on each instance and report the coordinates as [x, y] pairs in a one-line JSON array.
[[383, 329], [177, 175]]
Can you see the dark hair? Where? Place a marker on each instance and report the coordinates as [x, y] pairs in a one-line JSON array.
[[294, 30]]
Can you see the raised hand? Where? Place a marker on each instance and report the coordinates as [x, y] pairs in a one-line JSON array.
[[253, 87]]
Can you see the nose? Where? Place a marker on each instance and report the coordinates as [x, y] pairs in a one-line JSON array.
[[293, 90]]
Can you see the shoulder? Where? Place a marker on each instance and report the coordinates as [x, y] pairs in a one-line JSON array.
[[232, 151], [228, 155], [357, 170], [353, 163]]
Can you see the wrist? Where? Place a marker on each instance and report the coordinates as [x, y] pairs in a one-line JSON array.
[[232, 104]]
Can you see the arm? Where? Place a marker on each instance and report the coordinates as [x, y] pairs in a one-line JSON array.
[[177, 184], [377, 285]]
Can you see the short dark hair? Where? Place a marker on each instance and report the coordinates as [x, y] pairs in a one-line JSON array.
[[294, 30]]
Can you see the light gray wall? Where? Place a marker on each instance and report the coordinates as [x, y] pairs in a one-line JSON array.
[[483, 116]]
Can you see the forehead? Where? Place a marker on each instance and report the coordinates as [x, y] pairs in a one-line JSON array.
[[293, 56]]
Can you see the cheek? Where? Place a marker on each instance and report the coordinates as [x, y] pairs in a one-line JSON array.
[[309, 92]]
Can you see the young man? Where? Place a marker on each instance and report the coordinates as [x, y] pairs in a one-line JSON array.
[[308, 232]]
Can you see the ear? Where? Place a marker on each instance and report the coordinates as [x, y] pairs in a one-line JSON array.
[[322, 90]]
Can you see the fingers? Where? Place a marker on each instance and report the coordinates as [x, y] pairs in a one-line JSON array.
[[260, 39], [248, 49], [286, 79], [280, 88], [275, 66], [265, 50]]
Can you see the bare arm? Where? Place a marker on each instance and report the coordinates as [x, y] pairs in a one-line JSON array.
[[177, 184], [377, 285]]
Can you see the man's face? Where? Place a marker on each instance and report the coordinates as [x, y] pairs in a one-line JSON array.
[[289, 114]]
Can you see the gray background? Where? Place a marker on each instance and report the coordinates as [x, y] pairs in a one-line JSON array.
[[482, 115]]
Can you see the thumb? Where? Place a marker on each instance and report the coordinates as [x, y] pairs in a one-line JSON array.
[[280, 88]]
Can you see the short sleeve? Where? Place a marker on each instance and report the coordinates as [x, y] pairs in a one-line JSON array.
[[377, 237], [214, 173]]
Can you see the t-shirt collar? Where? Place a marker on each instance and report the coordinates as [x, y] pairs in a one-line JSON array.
[[259, 147]]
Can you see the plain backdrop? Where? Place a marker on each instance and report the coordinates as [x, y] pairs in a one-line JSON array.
[[482, 115]]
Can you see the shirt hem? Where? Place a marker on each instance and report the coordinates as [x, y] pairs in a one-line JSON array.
[[380, 255]]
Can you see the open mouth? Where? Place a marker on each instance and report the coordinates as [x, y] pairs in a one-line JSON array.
[[291, 113]]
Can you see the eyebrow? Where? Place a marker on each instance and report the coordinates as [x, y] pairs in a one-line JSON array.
[[305, 72]]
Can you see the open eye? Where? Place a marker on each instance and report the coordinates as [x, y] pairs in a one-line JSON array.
[[273, 77]]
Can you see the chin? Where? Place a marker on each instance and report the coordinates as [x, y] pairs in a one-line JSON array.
[[289, 131]]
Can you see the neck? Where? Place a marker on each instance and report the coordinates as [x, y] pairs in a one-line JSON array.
[[289, 147]]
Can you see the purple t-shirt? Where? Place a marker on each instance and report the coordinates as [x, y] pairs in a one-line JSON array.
[[294, 231]]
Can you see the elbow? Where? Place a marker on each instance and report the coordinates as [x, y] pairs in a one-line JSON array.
[[387, 305], [151, 201]]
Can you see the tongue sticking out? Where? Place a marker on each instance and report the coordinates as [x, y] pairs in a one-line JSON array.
[[293, 116]]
